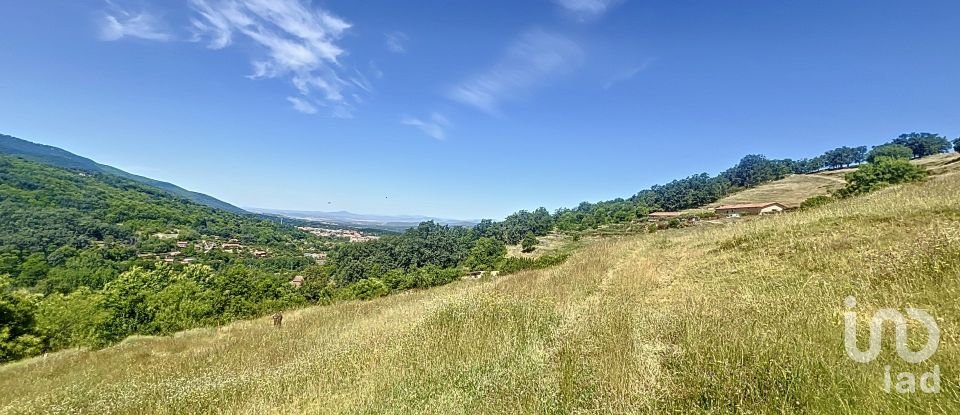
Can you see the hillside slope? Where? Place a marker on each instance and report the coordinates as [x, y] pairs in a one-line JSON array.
[[794, 189], [61, 158], [737, 318], [85, 228]]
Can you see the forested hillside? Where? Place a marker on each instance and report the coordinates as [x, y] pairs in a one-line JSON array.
[[87, 259], [744, 318], [57, 157]]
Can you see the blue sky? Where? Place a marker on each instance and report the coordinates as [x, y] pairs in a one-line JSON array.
[[466, 109]]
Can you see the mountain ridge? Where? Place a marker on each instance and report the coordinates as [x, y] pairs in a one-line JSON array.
[[58, 157]]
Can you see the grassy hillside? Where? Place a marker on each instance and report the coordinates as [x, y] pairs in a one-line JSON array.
[[737, 318], [791, 191], [57, 157], [794, 189]]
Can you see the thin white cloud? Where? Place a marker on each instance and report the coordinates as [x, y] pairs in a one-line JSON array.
[[435, 126], [587, 9], [397, 42], [119, 24], [299, 43], [628, 74], [302, 105], [536, 58]]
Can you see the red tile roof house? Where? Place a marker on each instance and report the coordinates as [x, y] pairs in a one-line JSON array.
[[751, 209]]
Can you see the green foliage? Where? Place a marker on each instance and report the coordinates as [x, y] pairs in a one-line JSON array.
[[64, 229], [895, 151], [923, 144], [845, 156], [18, 331], [60, 158], [72, 320], [675, 223], [529, 242], [514, 264], [956, 145], [883, 172], [486, 254], [816, 201], [369, 288], [754, 169], [514, 227]]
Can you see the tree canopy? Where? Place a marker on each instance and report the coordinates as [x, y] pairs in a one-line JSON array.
[[896, 151], [923, 144]]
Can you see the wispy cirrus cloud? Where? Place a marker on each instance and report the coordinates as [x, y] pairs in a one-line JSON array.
[[299, 43], [536, 58], [435, 126], [302, 105], [587, 9], [118, 23], [396, 42], [628, 74]]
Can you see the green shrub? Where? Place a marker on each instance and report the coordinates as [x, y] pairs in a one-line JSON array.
[[816, 201], [529, 242], [369, 288], [514, 264], [895, 151], [881, 173]]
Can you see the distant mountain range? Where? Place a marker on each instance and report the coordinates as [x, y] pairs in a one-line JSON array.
[[58, 157], [396, 222]]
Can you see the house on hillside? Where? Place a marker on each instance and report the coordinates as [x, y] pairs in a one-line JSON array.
[[663, 215], [297, 281], [751, 209]]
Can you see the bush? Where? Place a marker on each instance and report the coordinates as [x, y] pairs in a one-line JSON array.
[[514, 264], [529, 242], [879, 174], [370, 288], [895, 151], [815, 201]]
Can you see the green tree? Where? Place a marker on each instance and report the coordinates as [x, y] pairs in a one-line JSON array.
[[181, 305], [369, 288], [816, 201], [18, 332], [956, 145], [529, 242], [33, 270], [923, 144], [883, 172], [73, 319], [486, 254], [895, 151]]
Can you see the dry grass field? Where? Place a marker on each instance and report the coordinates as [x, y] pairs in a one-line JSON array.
[[552, 244], [790, 191], [742, 318], [793, 190]]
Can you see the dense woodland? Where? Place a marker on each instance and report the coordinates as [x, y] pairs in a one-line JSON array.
[[76, 270]]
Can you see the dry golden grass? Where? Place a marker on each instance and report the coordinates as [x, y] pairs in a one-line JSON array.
[[740, 318], [790, 191], [793, 190], [551, 244]]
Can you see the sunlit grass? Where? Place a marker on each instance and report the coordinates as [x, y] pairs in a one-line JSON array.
[[743, 318]]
